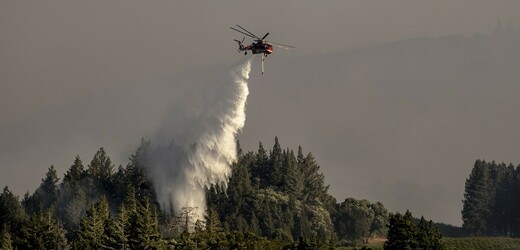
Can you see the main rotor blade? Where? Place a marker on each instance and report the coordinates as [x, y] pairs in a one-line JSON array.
[[242, 32], [251, 33], [283, 46], [265, 36]]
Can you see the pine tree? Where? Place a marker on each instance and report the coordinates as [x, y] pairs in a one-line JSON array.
[[276, 171], [314, 187], [294, 178], [428, 236], [12, 214], [92, 227], [100, 171], [43, 232], [150, 236], [254, 225], [6, 242], [401, 232], [74, 210], [120, 230], [260, 171], [75, 173], [47, 193], [72, 198], [143, 227], [213, 224], [477, 199], [135, 171]]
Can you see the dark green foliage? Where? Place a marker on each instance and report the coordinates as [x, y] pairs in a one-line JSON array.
[[450, 230], [427, 235], [471, 243], [135, 174], [403, 233], [276, 195], [234, 240], [477, 199], [120, 229], [42, 231], [491, 206], [72, 199], [359, 219], [6, 241], [99, 176], [45, 195], [74, 174], [142, 227], [93, 227], [12, 214], [273, 200]]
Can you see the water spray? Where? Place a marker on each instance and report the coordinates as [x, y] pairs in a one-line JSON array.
[[202, 144]]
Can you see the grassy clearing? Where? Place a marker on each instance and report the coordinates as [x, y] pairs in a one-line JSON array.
[[481, 243], [469, 243]]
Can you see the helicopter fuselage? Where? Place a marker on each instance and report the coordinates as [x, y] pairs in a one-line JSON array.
[[259, 48]]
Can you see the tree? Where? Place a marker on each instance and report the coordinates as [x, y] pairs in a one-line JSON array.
[[294, 178], [42, 231], [428, 236], [314, 187], [260, 171], [74, 210], [142, 225], [380, 222], [135, 171], [72, 198], [150, 237], [75, 173], [46, 195], [91, 234], [100, 171], [120, 229], [401, 232], [12, 214], [477, 199], [6, 242], [354, 220], [186, 219], [213, 224], [276, 172]]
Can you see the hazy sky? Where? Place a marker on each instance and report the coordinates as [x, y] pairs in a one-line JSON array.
[[78, 75]]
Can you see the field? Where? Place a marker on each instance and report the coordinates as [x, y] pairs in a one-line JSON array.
[[482, 243], [470, 243]]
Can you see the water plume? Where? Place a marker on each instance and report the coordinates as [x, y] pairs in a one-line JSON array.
[[198, 142]]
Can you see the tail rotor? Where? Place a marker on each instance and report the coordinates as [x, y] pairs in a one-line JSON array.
[[240, 44]]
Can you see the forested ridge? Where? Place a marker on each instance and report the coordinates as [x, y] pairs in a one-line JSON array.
[[274, 199], [491, 206]]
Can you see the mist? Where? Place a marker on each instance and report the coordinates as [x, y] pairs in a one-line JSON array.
[[196, 145], [395, 99]]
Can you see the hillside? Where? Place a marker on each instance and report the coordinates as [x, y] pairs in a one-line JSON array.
[[399, 122]]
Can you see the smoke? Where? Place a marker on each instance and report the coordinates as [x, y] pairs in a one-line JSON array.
[[197, 142]]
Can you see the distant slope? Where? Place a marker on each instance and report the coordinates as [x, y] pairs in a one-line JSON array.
[[401, 122]]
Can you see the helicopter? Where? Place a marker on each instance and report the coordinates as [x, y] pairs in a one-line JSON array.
[[259, 46]]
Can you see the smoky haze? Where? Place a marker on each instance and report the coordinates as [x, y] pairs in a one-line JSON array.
[[389, 116]]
